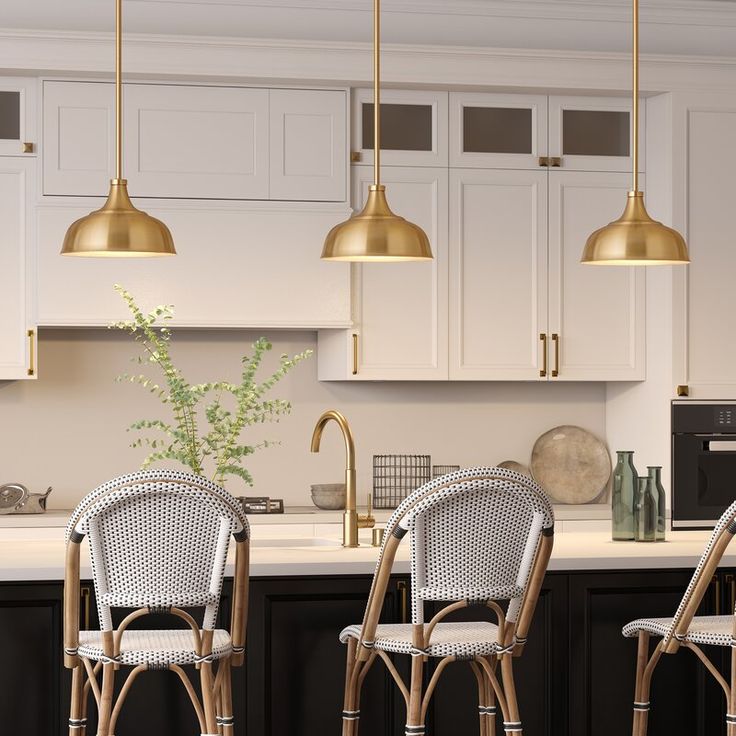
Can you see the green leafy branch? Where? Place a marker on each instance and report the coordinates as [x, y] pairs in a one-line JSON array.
[[226, 409]]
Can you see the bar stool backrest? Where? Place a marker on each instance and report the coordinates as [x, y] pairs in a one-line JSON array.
[[476, 539], [158, 539]]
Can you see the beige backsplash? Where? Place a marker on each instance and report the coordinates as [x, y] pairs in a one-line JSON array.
[[67, 429]]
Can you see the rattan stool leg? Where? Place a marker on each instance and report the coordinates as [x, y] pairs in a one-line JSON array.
[[731, 707], [642, 657], [208, 697], [491, 699], [414, 722], [106, 694], [513, 724], [77, 721], [482, 699], [226, 723], [350, 710]]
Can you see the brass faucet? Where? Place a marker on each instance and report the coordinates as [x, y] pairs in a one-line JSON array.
[[351, 520]]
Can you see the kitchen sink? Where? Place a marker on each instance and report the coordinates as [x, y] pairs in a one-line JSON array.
[[296, 542]]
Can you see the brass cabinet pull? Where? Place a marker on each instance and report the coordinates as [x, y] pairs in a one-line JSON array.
[[555, 162], [404, 600], [356, 156], [731, 582], [556, 341], [355, 353], [31, 353], [543, 160], [27, 147], [543, 338], [85, 593], [716, 582]]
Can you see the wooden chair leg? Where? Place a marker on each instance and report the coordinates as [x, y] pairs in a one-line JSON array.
[[106, 695], [513, 724], [226, 721], [350, 709], [414, 720], [482, 699], [731, 709], [491, 700], [640, 707], [77, 721], [208, 697]]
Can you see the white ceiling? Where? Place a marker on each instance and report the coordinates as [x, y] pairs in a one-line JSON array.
[[694, 27]]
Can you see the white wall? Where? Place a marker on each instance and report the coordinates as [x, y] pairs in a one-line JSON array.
[[68, 428]]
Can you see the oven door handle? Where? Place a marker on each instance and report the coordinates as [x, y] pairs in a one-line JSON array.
[[722, 446]]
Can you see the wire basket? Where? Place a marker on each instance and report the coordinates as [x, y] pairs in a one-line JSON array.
[[438, 470], [396, 476]]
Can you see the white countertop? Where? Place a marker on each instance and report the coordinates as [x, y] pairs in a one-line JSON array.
[[38, 553]]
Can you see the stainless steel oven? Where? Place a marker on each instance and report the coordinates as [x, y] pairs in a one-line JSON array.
[[703, 462]]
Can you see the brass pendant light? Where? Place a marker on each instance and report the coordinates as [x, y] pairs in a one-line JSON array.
[[376, 233], [118, 229], [635, 239]]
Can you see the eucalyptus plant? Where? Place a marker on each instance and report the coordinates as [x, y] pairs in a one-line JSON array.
[[223, 409]]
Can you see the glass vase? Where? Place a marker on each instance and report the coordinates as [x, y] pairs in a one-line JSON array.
[[623, 497], [655, 473], [646, 511]]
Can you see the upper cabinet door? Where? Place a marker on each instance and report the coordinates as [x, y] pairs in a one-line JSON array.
[[17, 116], [413, 127], [308, 145], [401, 308], [593, 133], [494, 131], [17, 338], [596, 312], [178, 141], [196, 142], [498, 274]]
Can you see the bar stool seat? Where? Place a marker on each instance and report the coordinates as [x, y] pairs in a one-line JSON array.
[[154, 647], [459, 639], [716, 630]]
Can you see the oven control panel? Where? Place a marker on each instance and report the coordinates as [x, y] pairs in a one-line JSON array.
[[724, 416]]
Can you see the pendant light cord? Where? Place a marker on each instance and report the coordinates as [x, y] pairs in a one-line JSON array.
[[635, 97], [376, 92], [118, 90]]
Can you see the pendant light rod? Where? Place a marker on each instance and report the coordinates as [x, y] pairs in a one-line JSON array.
[[376, 92], [118, 89], [635, 97]]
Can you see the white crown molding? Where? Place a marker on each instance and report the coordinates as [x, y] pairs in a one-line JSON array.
[[667, 12], [284, 61]]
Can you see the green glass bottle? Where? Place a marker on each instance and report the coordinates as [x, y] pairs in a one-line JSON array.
[[645, 525], [655, 473], [623, 497]]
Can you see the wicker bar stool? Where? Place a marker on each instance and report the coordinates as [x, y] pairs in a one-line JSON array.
[[478, 537], [689, 631], [158, 542]]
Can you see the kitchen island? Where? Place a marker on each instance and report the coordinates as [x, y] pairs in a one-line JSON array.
[[575, 677]]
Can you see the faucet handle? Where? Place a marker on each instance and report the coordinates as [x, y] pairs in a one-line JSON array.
[[367, 521]]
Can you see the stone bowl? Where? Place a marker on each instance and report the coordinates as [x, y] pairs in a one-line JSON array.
[[329, 496]]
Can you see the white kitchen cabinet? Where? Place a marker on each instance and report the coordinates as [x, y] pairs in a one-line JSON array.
[[704, 322], [179, 141], [413, 127], [593, 133], [399, 309], [308, 142], [497, 130], [18, 135], [17, 333], [237, 265], [596, 313], [498, 274]]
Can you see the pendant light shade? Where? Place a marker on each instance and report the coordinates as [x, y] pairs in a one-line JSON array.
[[635, 239], [118, 229], [376, 233]]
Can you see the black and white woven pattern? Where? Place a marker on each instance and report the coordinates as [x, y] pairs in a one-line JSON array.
[[474, 535], [716, 630], [158, 539], [161, 647], [473, 639], [666, 627]]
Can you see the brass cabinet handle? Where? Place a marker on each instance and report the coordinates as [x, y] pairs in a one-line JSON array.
[[543, 338], [404, 598], [85, 593], [355, 353], [731, 582], [31, 353], [555, 162], [716, 582], [543, 160], [27, 147], [556, 341], [356, 156]]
